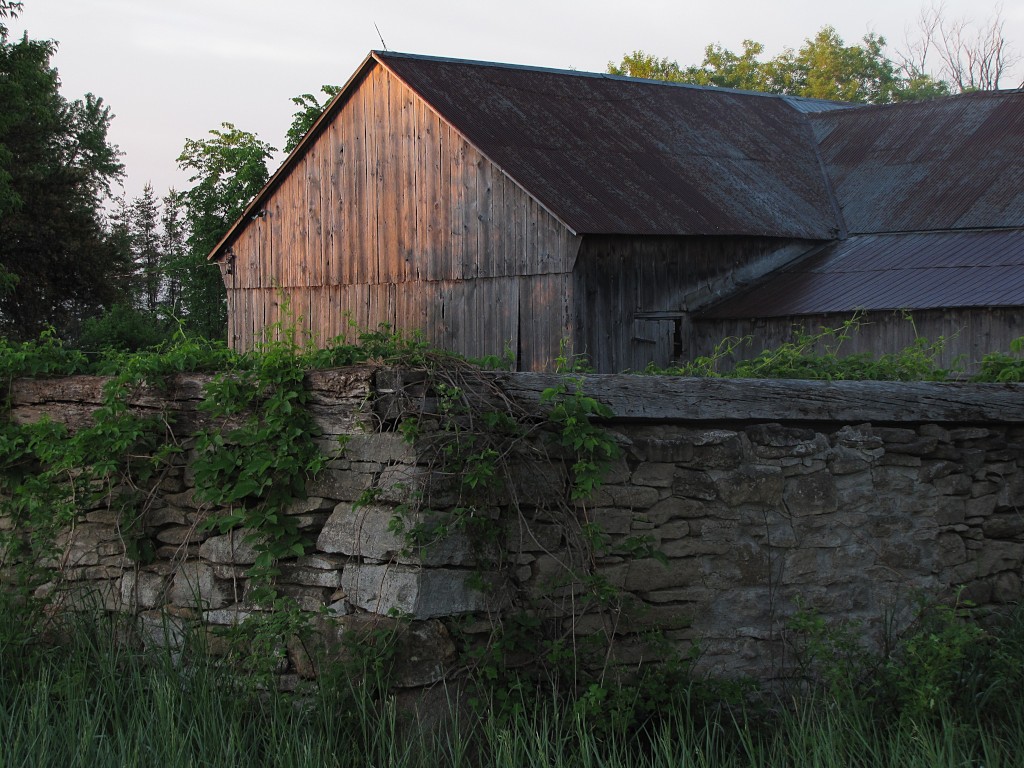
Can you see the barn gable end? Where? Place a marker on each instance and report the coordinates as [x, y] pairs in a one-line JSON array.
[[389, 215]]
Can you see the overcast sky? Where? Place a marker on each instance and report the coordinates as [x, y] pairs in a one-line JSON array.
[[174, 69]]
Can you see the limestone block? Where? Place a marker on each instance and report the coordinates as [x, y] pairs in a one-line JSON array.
[[159, 630], [186, 500], [750, 483], [103, 516], [948, 510], [168, 515], [1011, 493], [843, 460], [310, 577], [903, 480], [182, 534], [141, 590], [622, 496], [523, 535], [861, 437], [984, 488], [998, 556], [231, 548], [339, 484], [659, 617], [80, 546], [195, 585], [954, 485], [973, 459], [674, 508], [539, 482], [718, 448], [1006, 588], [421, 593], [933, 470], [934, 430], [647, 574], [367, 532], [320, 561], [773, 441], [230, 615], [661, 444], [896, 435], [1004, 526], [617, 472], [981, 506], [677, 529], [950, 550], [923, 446], [381, 447], [309, 504], [811, 494], [694, 484], [654, 474]]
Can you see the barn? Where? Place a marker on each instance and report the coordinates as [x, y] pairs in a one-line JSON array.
[[500, 208]]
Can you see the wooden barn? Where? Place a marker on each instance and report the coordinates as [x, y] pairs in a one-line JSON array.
[[497, 207]]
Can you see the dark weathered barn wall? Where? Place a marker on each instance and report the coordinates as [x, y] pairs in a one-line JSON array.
[[969, 333], [391, 216], [632, 294]]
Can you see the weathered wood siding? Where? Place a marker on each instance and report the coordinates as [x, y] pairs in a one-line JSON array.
[[632, 294], [969, 333], [391, 216]]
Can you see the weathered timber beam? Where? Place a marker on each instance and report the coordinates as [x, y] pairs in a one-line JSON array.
[[672, 398]]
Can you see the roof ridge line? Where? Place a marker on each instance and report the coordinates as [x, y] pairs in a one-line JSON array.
[[609, 76]]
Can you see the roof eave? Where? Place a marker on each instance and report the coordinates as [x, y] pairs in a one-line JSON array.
[[326, 116]]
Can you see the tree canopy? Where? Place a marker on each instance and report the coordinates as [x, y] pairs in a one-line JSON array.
[[57, 263], [824, 67], [228, 168], [309, 110]]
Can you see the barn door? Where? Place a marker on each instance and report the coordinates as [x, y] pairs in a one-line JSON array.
[[654, 341]]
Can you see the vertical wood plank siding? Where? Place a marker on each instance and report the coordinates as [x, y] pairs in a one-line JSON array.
[[391, 216], [630, 293]]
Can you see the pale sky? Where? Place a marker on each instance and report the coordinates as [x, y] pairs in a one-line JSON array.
[[174, 69]]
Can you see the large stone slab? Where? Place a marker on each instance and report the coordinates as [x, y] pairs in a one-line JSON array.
[[421, 593], [369, 531]]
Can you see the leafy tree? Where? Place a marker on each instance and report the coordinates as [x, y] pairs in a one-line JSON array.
[[640, 64], [824, 68], [173, 247], [725, 69], [56, 169], [144, 231], [309, 110], [228, 169]]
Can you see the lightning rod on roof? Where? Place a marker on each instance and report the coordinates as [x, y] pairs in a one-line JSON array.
[[380, 36]]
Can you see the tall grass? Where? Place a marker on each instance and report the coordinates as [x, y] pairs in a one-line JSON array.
[[93, 700]]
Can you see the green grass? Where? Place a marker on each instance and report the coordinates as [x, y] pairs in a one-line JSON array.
[[90, 700]]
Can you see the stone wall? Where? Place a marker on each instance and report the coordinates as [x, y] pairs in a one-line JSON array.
[[855, 498]]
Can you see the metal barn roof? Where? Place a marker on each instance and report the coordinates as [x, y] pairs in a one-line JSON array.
[[894, 271], [951, 163], [614, 155]]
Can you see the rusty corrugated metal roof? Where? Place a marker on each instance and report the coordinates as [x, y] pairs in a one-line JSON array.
[[951, 163], [614, 155], [893, 271]]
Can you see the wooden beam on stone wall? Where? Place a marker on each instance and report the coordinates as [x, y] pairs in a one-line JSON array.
[[677, 399]]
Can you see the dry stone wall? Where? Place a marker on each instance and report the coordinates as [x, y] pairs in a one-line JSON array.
[[855, 498]]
